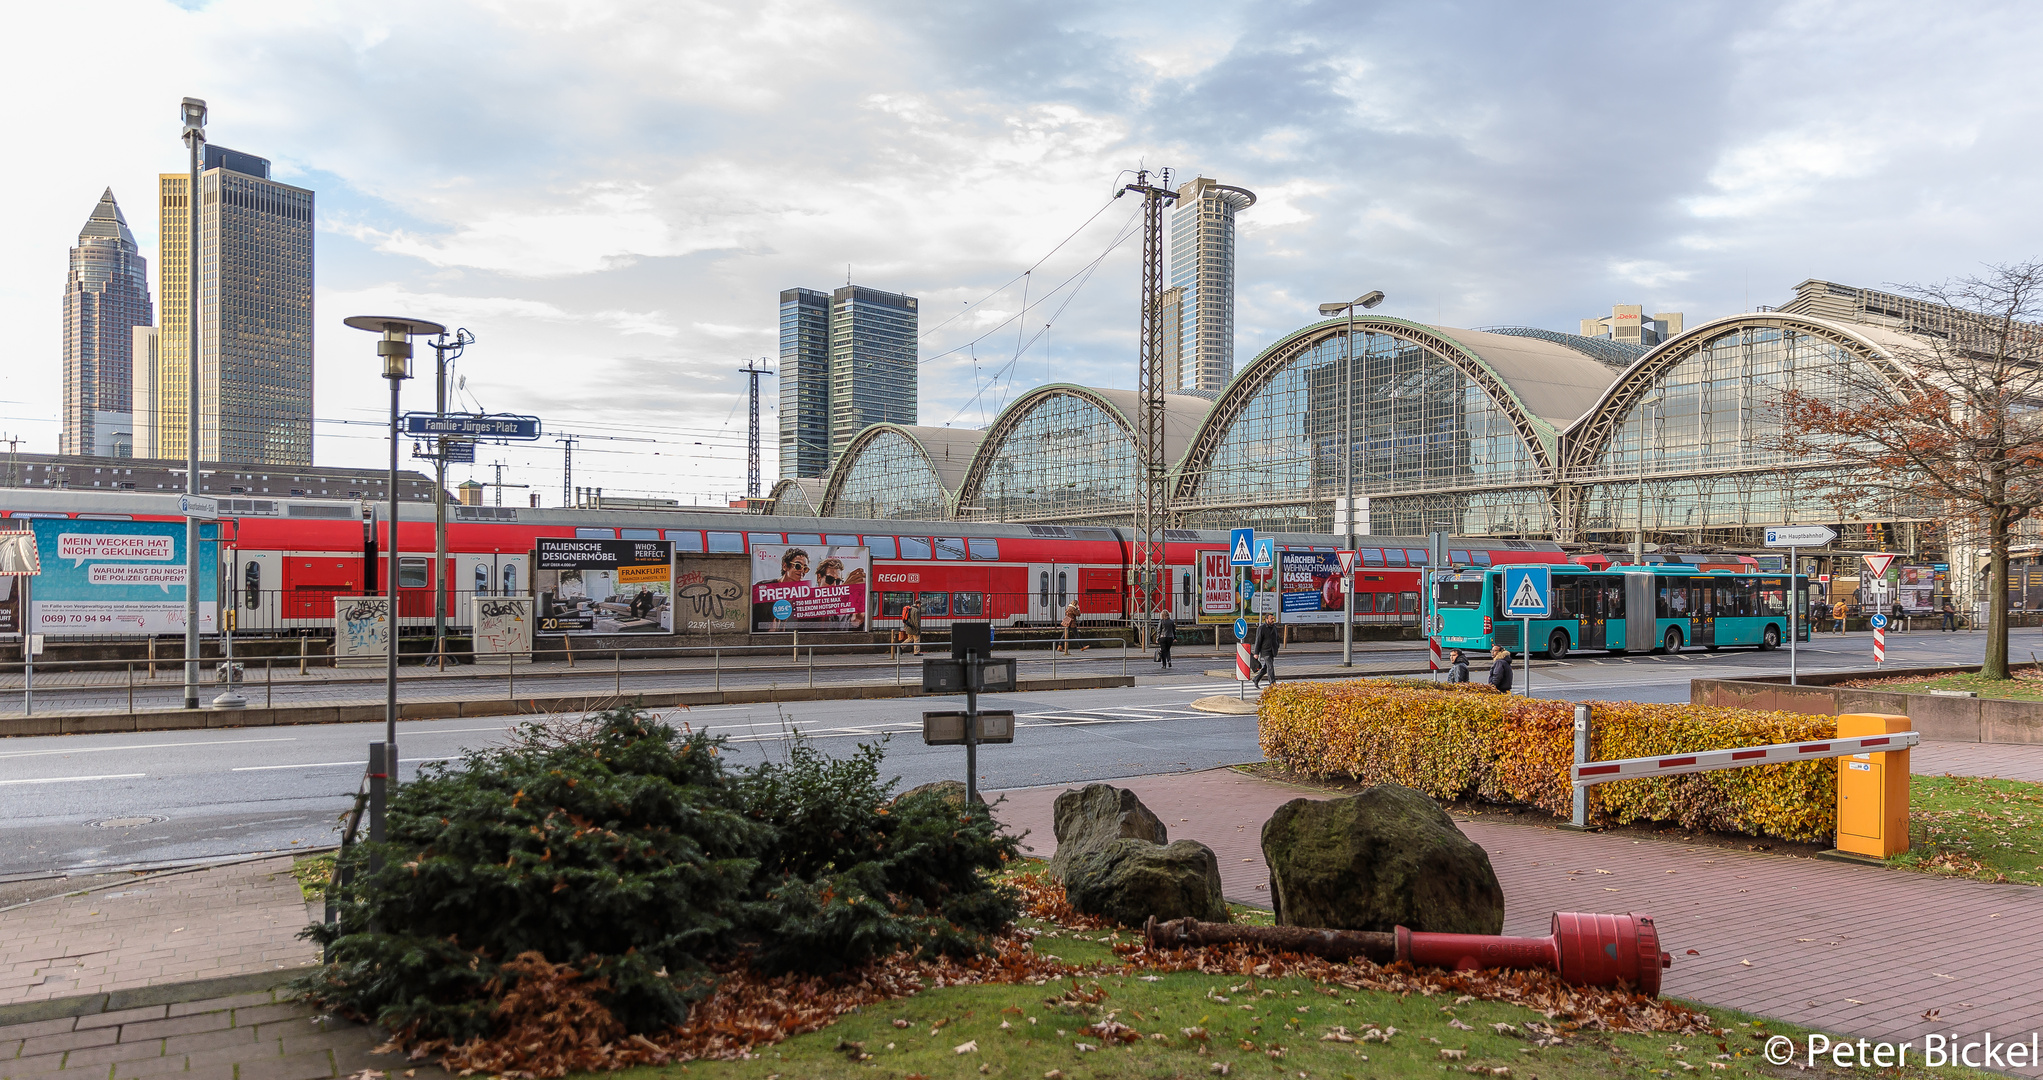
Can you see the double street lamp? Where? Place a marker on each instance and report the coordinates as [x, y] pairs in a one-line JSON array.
[[394, 348], [1367, 300], [193, 110]]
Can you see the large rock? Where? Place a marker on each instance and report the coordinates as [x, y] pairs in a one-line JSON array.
[[1385, 858], [1130, 880], [1095, 816]]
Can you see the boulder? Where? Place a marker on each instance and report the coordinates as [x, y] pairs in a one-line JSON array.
[[1385, 858], [1095, 816], [952, 791], [1130, 880]]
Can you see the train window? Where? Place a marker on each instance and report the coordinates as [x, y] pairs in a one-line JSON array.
[[935, 603], [1482, 558], [585, 533], [891, 603], [251, 578], [950, 547], [1371, 556], [1365, 603], [1393, 556], [106, 517], [986, 550], [1185, 589], [882, 546], [1063, 585], [481, 580], [1043, 584], [726, 543], [685, 540], [414, 573], [1417, 556], [968, 603], [638, 534], [763, 538], [1458, 558], [835, 540], [511, 580], [1411, 602], [811, 539], [915, 547], [1386, 602]]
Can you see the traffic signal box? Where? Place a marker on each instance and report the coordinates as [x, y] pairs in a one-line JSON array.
[[1872, 790]]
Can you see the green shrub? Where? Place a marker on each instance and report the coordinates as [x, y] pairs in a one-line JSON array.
[[633, 852]]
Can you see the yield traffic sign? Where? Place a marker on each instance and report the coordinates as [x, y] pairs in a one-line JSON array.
[[1347, 562], [1241, 548], [1878, 564], [1527, 590]]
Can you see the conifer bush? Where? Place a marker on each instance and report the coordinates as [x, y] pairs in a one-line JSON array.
[[635, 853]]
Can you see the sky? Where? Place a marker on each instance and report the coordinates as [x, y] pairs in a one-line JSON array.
[[610, 196]]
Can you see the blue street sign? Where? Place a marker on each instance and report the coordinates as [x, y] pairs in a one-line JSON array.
[[493, 426], [1248, 589], [1241, 629], [1527, 590], [1879, 622], [1241, 547], [1266, 554]]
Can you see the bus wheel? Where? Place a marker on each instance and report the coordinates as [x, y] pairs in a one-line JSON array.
[[1557, 646], [1673, 640], [1769, 640]]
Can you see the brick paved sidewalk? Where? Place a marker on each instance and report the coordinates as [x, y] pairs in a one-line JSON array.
[[2008, 761], [222, 920], [1846, 949]]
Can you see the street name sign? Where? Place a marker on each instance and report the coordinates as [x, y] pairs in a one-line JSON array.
[[1527, 590], [473, 425], [1800, 536], [198, 506]]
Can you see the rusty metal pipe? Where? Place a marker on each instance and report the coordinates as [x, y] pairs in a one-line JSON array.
[[1332, 944]]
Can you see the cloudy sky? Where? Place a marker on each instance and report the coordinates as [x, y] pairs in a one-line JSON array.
[[611, 195]]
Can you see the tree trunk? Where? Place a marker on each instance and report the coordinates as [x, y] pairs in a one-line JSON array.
[[1995, 665]]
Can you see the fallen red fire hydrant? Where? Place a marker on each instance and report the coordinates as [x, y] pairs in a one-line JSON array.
[[1584, 949]]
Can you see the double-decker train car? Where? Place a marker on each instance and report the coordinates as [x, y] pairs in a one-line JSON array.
[[285, 559]]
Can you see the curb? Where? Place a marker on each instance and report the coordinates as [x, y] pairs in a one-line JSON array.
[[283, 715], [27, 1012], [1229, 706]]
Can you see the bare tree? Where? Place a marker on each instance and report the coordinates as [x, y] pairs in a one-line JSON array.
[[1954, 425]]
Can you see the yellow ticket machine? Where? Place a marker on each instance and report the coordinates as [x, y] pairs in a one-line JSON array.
[[1872, 789]]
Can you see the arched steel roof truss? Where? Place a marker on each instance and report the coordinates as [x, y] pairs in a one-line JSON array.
[[1011, 418]]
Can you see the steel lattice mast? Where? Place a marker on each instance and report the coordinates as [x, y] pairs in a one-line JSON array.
[[752, 436], [1151, 580]]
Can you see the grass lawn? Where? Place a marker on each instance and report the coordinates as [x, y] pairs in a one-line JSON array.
[[2027, 685], [1988, 830], [313, 872], [1187, 1025]]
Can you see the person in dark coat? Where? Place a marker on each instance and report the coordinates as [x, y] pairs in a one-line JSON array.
[[1267, 640], [1500, 669], [1166, 636], [1457, 669]]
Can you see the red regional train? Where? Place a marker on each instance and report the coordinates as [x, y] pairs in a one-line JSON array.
[[287, 558]]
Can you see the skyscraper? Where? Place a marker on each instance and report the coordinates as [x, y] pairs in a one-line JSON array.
[[106, 296], [804, 382], [255, 320], [1202, 264], [874, 357]]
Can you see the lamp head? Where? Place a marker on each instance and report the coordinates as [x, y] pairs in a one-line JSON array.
[[1332, 309], [193, 110], [1371, 298], [395, 347]]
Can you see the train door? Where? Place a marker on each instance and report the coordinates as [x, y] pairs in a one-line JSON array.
[[256, 581], [1042, 602]]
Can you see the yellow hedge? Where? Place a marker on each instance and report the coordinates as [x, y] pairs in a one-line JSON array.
[[1469, 742]]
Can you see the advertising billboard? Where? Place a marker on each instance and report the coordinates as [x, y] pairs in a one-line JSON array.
[[1311, 581], [798, 587], [1216, 587], [118, 577], [604, 586]]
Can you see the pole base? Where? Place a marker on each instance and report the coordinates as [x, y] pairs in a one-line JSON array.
[[230, 700], [1835, 855]]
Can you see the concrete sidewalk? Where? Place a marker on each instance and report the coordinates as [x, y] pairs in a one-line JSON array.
[[1846, 949]]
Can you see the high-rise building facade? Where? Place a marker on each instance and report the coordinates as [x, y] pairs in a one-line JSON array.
[[1202, 264], [106, 296], [874, 356], [255, 319], [1628, 323], [804, 382]]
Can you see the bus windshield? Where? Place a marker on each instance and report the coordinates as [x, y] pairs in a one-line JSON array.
[[1459, 593]]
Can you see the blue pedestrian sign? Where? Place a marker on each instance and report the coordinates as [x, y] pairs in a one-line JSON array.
[[1241, 629], [1266, 554], [1879, 622], [1527, 590], [1241, 548]]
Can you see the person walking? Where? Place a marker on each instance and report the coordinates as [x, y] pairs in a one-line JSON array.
[[1166, 636], [1268, 636], [1894, 622], [911, 625], [1950, 615], [1500, 669], [1839, 612], [1457, 667], [1070, 623]]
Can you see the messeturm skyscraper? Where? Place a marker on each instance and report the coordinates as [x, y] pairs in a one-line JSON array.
[[106, 296], [1202, 266], [255, 320]]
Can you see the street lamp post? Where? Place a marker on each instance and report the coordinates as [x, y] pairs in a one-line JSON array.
[[1366, 300], [395, 350], [443, 351], [194, 113]]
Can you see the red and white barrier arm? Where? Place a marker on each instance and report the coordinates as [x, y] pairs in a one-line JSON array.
[[1603, 772]]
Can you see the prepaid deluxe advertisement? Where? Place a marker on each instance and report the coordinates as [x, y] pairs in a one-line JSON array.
[[802, 587]]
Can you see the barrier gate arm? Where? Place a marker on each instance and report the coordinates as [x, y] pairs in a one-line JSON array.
[[1587, 773]]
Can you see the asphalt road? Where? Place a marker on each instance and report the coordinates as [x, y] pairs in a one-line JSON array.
[[90, 803]]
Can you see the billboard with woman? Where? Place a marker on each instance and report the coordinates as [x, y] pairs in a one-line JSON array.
[[809, 587]]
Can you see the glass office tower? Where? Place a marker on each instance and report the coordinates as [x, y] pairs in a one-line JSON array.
[[1202, 281], [873, 361], [804, 382], [106, 295]]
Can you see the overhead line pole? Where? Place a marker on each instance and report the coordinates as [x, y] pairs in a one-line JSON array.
[[1150, 568], [752, 435]]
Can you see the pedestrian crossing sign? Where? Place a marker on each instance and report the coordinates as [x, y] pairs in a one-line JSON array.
[[1241, 549], [1526, 591], [1266, 554]]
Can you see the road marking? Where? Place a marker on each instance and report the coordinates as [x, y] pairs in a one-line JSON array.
[[337, 764], [139, 746], [68, 779]]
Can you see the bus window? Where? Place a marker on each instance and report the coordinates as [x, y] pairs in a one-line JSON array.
[[1456, 594], [882, 546], [915, 547], [726, 543], [1613, 594]]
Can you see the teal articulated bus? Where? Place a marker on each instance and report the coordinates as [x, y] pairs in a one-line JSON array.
[[1657, 608]]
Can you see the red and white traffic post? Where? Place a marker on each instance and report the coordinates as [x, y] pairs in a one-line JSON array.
[[1242, 674], [1879, 645], [1347, 558]]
